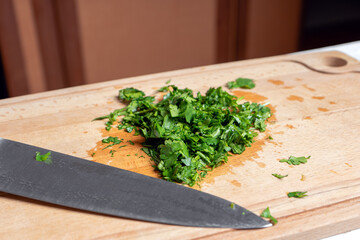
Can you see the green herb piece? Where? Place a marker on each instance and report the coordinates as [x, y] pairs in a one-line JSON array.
[[129, 94], [141, 156], [279, 176], [232, 205], [168, 81], [164, 89], [112, 153], [93, 154], [296, 194], [128, 155], [46, 158], [187, 135], [266, 214], [131, 142], [295, 160], [241, 83], [122, 146], [112, 140], [136, 154], [270, 137]]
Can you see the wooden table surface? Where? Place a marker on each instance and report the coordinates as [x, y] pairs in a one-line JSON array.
[[316, 103]]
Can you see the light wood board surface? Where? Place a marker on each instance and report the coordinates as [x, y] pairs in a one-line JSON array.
[[316, 103]]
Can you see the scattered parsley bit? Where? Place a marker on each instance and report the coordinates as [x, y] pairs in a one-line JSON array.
[[46, 158], [141, 156], [122, 146], [93, 154], [168, 81], [270, 137], [128, 155], [188, 136], [266, 214], [112, 153], [131, 142], [232, 205], [113, 140], [295, 160], [241, 83], [279, 176], [296, 194]]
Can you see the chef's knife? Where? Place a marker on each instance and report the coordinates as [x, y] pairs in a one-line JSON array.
[[82, 184]]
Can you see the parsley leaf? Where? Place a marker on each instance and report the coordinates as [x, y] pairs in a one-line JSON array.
[[185, 135], [296, 194], [129, 94], [241, 83], [43, 158], [295, 160], [112, 140], [279, 176], [266, 214]]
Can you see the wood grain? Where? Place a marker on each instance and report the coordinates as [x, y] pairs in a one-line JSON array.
[[61, 120]]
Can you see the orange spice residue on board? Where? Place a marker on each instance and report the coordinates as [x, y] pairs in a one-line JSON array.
[[289, 126], [318, 97], [295, 98], [236, 183], [276, 82], [332, 102], [128, 157], [288, 87], [249, 96], [308, 88], [308, 117], [302, 177], [348, 164], [323, 109]]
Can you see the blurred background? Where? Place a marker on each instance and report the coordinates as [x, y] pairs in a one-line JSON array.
[[46, 45]]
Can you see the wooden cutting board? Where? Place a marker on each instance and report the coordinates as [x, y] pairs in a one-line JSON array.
[[316, 103]]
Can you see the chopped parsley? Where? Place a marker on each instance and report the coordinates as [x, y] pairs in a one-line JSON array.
[[168, 81], [241, 83], [185, 135], [112, 140], [129, 94], [232, 205], [279, 176], [270, 137], [297, 194], [266, 214], [131, 142], [46, 158], [112, 153], [295, 160]]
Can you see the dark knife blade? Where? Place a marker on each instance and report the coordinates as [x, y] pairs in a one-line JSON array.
[[82, 184]]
